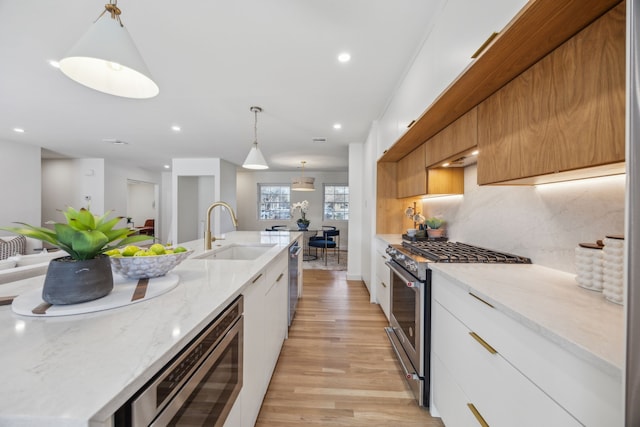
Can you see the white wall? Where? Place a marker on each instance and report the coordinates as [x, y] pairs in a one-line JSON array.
[[188, 192], [224, 183], [544, 223], [72, 182], [141, 202], [102, 186], [116, 182], [21, 184], [369, 207], [164, 228], [247, 190], [356, 214]]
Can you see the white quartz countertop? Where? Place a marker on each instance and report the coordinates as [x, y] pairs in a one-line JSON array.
[[78, 370], [549, 302]]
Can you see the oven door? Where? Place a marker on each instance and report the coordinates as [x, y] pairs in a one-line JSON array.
[[207, 398], [408, 332]]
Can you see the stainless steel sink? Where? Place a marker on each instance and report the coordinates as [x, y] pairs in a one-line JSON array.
[[236, 251]]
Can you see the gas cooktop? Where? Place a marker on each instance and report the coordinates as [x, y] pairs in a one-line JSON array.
[[456, 252]]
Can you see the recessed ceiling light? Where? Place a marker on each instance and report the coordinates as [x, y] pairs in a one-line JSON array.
[[475, 153], [176, 128], [337, 126], [54, 63], [344, 57], [18, 130], [167, 166], [444, 165]]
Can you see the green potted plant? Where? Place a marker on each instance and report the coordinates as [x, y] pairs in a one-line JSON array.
[[435, 226], [85, 273]]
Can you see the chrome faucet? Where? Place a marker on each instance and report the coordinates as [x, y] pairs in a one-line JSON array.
[[207, 234]]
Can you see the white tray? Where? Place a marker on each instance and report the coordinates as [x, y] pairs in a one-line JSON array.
[[123, 293]]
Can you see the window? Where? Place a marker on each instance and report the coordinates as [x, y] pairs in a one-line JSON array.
[[336, 202], [275, 201]]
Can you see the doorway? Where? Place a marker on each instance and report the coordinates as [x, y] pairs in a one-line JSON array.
[[142, 204]]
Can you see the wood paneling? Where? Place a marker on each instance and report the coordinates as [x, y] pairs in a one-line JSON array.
[[387, 204], [412, 173], [453, 140], [565, 112], [539, 28], [338, 368]]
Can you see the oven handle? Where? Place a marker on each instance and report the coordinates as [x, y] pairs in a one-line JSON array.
[[410, 374], [183, 394], [408, 279]]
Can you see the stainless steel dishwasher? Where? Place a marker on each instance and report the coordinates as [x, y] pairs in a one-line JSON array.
[[294, 254]]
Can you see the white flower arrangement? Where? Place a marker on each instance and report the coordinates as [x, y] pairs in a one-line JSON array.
[[303, 206]]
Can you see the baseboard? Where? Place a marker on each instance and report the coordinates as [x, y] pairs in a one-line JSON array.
[[354, 277]]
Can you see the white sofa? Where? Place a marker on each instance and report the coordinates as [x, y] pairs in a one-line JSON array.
[[20, 267], [34, 262]]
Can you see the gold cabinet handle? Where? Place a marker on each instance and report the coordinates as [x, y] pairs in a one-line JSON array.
[[480, 299], [384, 285], [476, 414], [279, 277], [483, 343], [256, 279], [484, 45]]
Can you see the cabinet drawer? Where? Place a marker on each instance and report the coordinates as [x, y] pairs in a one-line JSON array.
[[592, 396], [277, 270], [501, 394], [383, 294], [382, 271], [448, 397]]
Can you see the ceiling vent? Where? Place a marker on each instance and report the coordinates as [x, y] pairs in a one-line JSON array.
[[114, 141], [319, 140]]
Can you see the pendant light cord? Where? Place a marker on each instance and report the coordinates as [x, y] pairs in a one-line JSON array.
[[255, 110], [114, 11], [255, 126]]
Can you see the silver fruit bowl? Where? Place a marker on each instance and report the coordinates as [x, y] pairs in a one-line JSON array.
[[146, 267]]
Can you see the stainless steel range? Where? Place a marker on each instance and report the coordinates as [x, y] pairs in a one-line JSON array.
[[410, 320]]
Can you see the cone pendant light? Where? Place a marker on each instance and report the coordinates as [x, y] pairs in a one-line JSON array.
[[255, 159], [106, 59]]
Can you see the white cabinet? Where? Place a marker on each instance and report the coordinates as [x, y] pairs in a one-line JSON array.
[[510, 373], [265, 328], [382, 279], [460, 28]]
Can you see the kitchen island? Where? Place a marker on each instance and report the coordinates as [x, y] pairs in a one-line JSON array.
[[78, 370]]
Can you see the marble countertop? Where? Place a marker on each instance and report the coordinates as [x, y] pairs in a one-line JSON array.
[[78, 370], [549, 302]]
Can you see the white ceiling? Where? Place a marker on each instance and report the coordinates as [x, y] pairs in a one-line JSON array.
[[212, 60]]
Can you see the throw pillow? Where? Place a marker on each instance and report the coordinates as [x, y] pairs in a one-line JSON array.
[[12, 246]]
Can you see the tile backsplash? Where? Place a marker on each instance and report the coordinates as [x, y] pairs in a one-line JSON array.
[[544, 223]]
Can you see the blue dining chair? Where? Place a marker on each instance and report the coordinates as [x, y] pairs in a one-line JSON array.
[[330, 239]]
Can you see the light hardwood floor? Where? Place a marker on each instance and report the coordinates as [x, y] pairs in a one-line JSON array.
[[337, 368]]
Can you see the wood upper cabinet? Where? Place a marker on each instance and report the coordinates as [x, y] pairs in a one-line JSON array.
[[455, 139], [566, 112], [441, 181], [412, 174]]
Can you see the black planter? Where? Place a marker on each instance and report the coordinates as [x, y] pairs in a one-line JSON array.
[[69, 281]]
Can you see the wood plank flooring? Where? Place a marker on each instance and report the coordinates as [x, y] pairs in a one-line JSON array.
[[337, 368]]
